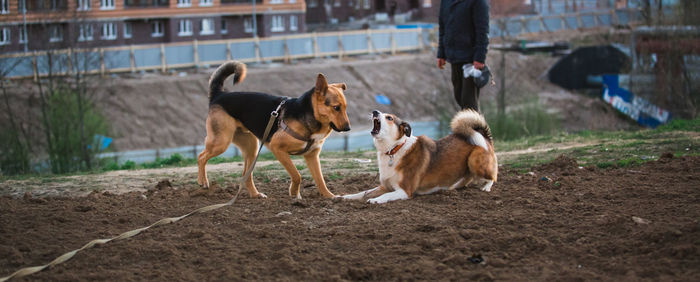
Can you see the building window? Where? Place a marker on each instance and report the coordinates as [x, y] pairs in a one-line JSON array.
[[206, 3], [184, 28], [206, 26], [336, 3], [313, 3], [224, 27], [427, 3], [109, 31], [293, 23], [366, 4], [248, 25], [106, 4], [85, 33], [5, 36], [292, 1], [276, 2], [55, 33], [4, 7], [184, 3], [22, 34], [277, 24], [127, 30], [157, 29], [83, 5]]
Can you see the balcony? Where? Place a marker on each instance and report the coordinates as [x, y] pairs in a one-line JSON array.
[[138, 4], [45, 5], [227, 2]]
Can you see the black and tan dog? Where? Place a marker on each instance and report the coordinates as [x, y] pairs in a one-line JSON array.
[[410, 165], [303, 125]]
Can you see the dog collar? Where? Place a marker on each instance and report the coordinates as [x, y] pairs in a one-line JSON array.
[[396, 149]]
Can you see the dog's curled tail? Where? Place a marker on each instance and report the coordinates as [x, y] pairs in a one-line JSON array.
[[216, 82], [468, 122]]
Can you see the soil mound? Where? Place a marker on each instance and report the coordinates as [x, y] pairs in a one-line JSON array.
[[560, 163]]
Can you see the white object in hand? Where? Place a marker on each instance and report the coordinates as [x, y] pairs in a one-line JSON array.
[[470, 70]]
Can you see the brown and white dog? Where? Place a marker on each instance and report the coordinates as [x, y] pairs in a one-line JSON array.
[[410, 165], [303, 125]]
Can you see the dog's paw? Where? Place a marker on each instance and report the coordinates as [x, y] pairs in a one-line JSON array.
[[376, 201], [487, 186], [259, 196]]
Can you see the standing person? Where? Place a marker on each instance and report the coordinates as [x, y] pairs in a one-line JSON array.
[[463, 39]]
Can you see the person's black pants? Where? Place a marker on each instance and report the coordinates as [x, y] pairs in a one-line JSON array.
[[465, 91]]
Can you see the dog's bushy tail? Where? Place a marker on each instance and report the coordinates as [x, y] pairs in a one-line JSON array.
[[216, 82], [467, 122]]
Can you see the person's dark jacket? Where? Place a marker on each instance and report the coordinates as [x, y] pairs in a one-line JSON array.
[[464, 31]]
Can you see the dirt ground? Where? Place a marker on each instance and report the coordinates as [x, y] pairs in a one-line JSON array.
[[559, 222]]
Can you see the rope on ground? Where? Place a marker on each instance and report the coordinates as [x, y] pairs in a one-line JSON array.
[[67, 256]]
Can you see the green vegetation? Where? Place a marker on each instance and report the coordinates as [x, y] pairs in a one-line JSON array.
[[529, 120], [589, 148], [605, 149]]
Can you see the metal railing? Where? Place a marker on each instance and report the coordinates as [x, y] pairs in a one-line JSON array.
[[354, 141], [168, 56]]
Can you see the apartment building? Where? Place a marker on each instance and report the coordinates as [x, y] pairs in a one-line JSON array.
[[335, 11], [55, 24]]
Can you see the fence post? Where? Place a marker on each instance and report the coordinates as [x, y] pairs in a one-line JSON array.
[[195, 46], [132, 59], [157, 154], [257, 50], [163, 65], [35, 68], [420, 39], [194, 152], [613, 18], [228, 50], [102, 62], [346, 142], [369, 41], [523, 25], [70, 60], [287, 59], [315, 44], [393, 44], [340, 46]]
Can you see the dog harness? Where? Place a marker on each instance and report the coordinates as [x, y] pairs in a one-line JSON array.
[[309, 141], [393, 151]]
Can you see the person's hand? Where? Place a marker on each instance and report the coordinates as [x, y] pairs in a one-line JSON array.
[[478, 65], [441, 63]]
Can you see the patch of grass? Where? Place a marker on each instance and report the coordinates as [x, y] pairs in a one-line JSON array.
[[681, 125], [334, 176], [532, 119]]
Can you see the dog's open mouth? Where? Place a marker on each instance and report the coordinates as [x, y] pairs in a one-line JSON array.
[[377, 126]]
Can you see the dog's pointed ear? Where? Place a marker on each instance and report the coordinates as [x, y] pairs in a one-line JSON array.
[[321, 84], [340, 85], [405, 128]]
